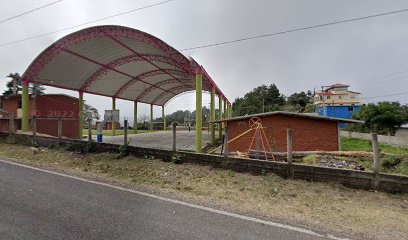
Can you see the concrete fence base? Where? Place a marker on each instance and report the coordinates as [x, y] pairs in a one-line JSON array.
[[349, 178]]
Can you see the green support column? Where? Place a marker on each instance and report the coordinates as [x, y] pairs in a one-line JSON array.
[[212, 115], [25, 107], [199, 112], [151, 117], [135, 117], [164, 119], [113, 123], [220, 116], [225, 109], [81, 115]]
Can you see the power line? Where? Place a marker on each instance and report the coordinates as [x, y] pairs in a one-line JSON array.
[[296, 30], [85, 23], [30, 11], [390, 95]]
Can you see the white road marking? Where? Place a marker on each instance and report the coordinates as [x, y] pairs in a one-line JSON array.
[[222, 212]]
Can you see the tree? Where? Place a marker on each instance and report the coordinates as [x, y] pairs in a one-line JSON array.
[[261, 99], [383, 117], [301, 99], [33, 89], [91, 112]]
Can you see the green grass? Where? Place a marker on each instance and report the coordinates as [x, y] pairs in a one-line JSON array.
[[355, 144], [118, 132]]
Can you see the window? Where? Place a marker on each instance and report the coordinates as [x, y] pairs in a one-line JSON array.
[[352, 96], [350, 109], [328, 97], [340, 97], [20, 105]]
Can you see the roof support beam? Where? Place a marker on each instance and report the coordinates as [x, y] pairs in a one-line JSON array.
[[141, 56], [103, 65], [122, 61]]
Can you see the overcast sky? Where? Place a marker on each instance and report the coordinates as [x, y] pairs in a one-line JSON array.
[[369, 55]]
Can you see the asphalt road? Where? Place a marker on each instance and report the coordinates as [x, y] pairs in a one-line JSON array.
[[41, 205]]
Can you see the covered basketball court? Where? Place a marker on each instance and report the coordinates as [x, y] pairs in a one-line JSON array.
[[123, 63]]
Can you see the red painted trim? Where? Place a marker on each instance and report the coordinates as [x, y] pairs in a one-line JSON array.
[[145, 59], [90, 92], [140, 78], [172, 89], [103, 65], [122, 61]]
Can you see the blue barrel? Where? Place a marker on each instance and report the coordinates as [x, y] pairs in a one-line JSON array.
[[99, 138]]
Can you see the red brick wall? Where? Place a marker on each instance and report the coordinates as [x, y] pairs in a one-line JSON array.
[[308, 134], [49, 105]]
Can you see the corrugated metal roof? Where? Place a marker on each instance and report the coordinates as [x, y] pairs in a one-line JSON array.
[[118, 62], [303, 115]]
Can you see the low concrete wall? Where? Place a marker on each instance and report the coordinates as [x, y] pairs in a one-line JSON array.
[[389, 140], [350, 178]]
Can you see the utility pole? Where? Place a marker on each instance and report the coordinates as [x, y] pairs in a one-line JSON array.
[[324, 103]]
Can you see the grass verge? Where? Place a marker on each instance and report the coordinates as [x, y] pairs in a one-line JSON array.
[[325, 206], [355, 144]]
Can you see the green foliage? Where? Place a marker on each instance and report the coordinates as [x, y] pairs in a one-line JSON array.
[[310, 159], [91, 146], [176, 159], [91, 112], [383, 117], [33, 89], [261, 99], [391, 161], [123, 151], [301, 99], [355, 144]]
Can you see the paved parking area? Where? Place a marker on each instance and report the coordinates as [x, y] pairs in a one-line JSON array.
[[185, 140]]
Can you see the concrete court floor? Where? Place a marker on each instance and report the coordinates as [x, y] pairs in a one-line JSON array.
[[185, 140]]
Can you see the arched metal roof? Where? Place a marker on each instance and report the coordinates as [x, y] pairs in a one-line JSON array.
[[118, 62]]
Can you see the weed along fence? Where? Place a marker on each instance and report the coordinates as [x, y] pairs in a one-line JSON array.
[[289, 169]]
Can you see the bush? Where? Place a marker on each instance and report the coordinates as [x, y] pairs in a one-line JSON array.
[[123, 151], [389, 162], [310, 159]]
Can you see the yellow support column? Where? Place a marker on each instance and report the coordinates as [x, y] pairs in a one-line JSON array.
[[135, 117], [164, 119], [81, 114], [220, 115], [151, 118], [212, 115], [199, 111], [25, 101], [225, 109], [113, 122]]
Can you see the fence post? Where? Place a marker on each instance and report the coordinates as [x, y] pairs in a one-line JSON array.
[[59, 129], [11, 123], [125, 133], [11, 127], [89, 129], [226, 140], [377, 158], [174, 136], [289, 152], [34, 125]]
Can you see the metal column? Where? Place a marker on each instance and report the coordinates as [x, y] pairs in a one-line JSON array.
[[81, 115], [25, 107], [135, 117], [113, 122], [212, 115], [199, 113], [151, 118]]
